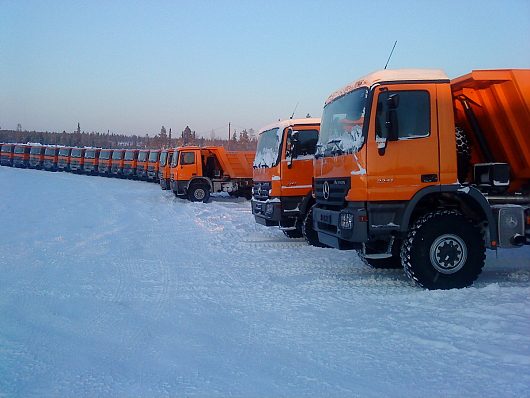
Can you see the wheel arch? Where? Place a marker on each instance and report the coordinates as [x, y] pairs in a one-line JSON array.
[[200, 180], [468, 200]]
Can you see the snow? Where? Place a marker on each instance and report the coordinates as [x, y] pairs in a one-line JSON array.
[[115, 288]]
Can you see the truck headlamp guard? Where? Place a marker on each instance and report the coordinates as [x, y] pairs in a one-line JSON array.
[[346, 220]]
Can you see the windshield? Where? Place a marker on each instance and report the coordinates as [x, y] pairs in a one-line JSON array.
[[105, 155], [76, 153], [7, 148], [268, 150], [163, 158], [50, 151], [64, 152], [90, 154], [117, 155], [153, 156], [175, 159], [19, 149], [36, 150], [130, 155], [142, 156], [341, 130]]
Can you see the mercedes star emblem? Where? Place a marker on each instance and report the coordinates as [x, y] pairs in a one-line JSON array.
[[325, 190]]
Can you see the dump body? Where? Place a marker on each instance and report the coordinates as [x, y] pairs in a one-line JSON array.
[[6, 154], [283, 173], [213, 169], [153, 165], [410, 162], [141, 165], [77, 160], [91, 160], [63, 159], [117, 162], [21, 155], [130, 161], [105, 162], [51, 157], [36, 156], [164, 171]]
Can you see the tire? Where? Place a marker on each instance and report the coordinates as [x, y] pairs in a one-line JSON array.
[[439, 236], [199, 193], [308, 232], [463, 154], [393, 262], [293, 233]]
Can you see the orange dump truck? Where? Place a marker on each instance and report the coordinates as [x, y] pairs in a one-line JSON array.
[[91, 161], [21, 155], [63, 160], [104, 162], [130, 161], [153, 165], [164, 170], [6, 154], [77, 160], [141, 164], [196, 172], [418, 171], [117, 162], [36, 156], [283, 174], [51, 157]]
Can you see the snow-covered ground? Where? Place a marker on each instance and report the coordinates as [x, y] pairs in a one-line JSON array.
[[115, 288]]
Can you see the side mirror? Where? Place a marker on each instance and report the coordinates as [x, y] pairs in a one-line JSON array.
[[392, 125]]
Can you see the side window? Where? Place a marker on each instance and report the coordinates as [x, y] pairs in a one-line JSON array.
[[307, 142], [187, 158], [413, 114]]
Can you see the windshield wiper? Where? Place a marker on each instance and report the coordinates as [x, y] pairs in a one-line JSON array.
[[336, 142]]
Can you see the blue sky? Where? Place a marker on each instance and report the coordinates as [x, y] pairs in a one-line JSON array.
[[133, 66]]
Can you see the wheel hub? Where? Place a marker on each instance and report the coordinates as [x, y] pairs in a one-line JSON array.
[[199, 194], [448, 254]]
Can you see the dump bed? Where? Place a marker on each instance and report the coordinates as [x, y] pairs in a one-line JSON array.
[[500, 100], [237, 164]]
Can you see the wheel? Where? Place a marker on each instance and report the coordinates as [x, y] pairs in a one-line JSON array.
[[199, 193], [443, 250], [463, 154], [392, 262], [293, 233], [310, 235]]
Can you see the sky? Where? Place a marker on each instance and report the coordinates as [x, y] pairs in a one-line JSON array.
[[133, 66]]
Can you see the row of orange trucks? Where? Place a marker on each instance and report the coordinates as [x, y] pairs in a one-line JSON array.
[[408, 168]]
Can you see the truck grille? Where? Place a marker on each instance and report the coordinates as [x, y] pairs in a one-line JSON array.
[[260, 191], [332, 191]]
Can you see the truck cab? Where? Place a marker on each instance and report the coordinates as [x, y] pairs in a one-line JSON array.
[[77, 160], [164, 168], [6, 154], [91, 160], [283, 173], [21, 155], [196, 172], [395, 180], [153, 165], [104, 162], [63, 160], [141, 165], [117, 162], [51, 156], [130, 161], [36, 156]]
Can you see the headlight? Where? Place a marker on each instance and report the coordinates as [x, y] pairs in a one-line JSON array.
[[346, 220]]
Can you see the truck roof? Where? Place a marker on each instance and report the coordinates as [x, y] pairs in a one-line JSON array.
[[290, 122], [391, 75]]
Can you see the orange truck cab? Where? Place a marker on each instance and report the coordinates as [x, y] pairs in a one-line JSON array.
[[36, 156], [130, 163], [104, 162], [6, 154], [51, 156], [418, 171], [153, 165], [116, 166], [21, 155], [63, 160], [141, 165], [77, 160], [283, 174], [164, 168], [196, 172], [91, 160]]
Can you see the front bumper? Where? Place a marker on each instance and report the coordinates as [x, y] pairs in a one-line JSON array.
[[333, 233], [164, 183], [267, 212], [128, 171]]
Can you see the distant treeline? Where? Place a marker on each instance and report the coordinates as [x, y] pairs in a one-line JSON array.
[[244, 140]]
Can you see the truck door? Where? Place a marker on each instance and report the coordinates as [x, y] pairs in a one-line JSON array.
[[189, 165], [398, 169]]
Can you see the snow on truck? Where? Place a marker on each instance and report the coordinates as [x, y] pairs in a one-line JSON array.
[[196, 172], [283, 174], [418, 171]]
